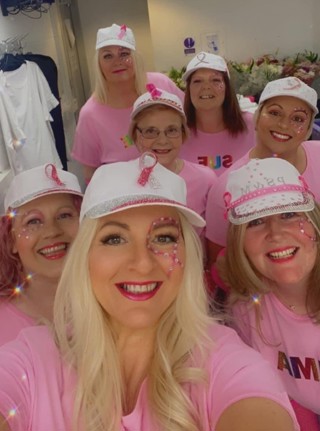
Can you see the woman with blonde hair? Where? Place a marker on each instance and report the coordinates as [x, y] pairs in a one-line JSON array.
[[133, 345], [101, 133], [272, 268]]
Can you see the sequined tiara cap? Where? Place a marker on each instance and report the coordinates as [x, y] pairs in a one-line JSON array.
[[116, 35], [155, 96], [290, 86], [206, 60], [119, 186], [40, 181], [264, 187]]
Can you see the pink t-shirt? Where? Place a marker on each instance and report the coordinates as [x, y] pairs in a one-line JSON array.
[[12, 320], [199, 180], [40, 386], [217, 223], [291, 344], [101, 131], [219, 150]]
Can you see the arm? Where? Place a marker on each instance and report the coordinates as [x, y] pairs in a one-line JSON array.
[[3, 424], [255, 414]]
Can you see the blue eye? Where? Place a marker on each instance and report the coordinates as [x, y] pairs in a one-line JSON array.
[[256, 222], [113, 239]]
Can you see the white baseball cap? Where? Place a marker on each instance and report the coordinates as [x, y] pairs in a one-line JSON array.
[[116, 35], [206, 60], [264, 187], [290, 86], [119, 186], [40, 181], [155, 96]]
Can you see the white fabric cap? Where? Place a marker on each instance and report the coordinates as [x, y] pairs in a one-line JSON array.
[[40, 181], [205, 60], [290, 86], [155, 96], [119, 186], [264, 187], [116, 35]]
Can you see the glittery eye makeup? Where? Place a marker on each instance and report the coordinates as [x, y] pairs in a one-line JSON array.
[[163, 240]]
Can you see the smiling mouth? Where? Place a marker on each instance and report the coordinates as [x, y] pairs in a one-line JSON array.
[[164, 151], [283, 254], [139, 289], [207, 97], [280, 136], [46, 251]]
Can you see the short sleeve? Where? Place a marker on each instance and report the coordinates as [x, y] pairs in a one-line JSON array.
[[86, 148], [16, 379], [238, 372]]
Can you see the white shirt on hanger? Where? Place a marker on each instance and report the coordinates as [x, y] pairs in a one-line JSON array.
[[26, 130]]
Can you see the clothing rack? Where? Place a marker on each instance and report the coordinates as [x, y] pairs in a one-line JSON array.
[[12, 45]]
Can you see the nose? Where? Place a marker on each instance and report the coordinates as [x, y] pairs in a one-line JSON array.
[[273, 229], [162, 138], [143, 259], [283, 122], [51, 229]]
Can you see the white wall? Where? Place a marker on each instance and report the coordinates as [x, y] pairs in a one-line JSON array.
[[39, 39], [245, 27], [101, 13]]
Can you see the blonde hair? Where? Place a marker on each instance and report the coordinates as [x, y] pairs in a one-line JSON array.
[[100, 92], [156, 108], [88, 343], [246, 282]]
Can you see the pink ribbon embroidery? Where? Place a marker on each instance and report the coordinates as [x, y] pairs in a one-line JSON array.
[[154, 92], [53, 175], [147, 162], [123, 31], [227, 200]]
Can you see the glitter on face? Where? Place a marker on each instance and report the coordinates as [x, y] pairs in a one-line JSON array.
[[303, 231], [163, 239]]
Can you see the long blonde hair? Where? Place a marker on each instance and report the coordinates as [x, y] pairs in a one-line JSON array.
[[246, 282], [100, 91], [85, 338]]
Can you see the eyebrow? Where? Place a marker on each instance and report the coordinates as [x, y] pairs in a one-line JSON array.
[[159, 224], [115, 223]]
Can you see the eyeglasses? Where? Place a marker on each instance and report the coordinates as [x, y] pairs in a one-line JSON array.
[[154, 132]]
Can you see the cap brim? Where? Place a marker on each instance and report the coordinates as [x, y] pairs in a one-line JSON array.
[[101, 210], [33, 196], [241, 218], [280, 93], [115, 42]]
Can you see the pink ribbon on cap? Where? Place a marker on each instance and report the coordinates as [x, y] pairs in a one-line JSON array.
[[227, 200], [123, 31], [154, 92], [53, 175], [147, 162]]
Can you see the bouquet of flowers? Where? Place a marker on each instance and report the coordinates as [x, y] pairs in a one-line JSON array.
[[251, 77]]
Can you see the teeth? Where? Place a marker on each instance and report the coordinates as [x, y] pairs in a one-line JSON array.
[[280, 136], [206, 97], [138, 288], [282, 254], [54, 249]]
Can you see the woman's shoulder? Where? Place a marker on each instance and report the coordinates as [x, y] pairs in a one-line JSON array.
[[198, 169]]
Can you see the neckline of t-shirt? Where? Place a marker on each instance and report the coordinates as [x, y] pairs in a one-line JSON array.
[[283, 309], [17, 311]]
